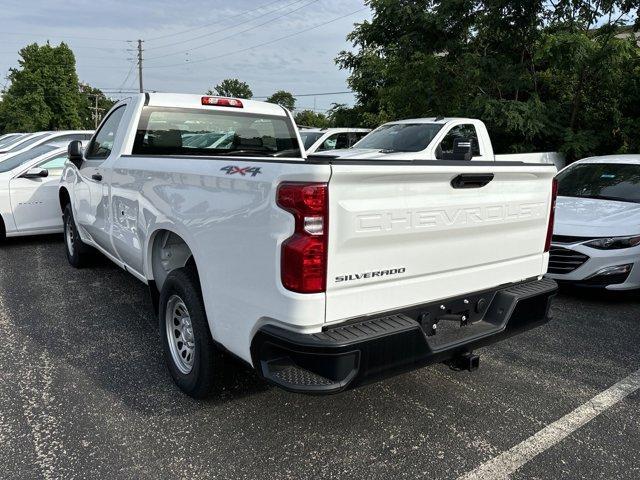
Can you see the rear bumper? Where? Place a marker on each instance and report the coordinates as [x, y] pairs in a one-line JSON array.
[[366, 350]]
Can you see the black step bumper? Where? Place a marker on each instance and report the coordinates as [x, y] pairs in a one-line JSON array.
[[366, 350]]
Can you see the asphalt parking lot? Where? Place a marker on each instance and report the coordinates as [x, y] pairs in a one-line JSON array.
[[84, 394]]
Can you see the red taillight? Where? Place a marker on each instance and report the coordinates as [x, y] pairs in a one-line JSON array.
[[222, 102], [303, 265], [552, 213]]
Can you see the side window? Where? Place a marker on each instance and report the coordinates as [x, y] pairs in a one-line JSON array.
[[55, 164], [329, 143], [335, 141], [102, 143], [455, 141]]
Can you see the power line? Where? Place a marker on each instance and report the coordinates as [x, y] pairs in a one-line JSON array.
[[70, 65], [228, 28], [152, 39], [311, 94], [237, 33], [133, 65], [76, 37], [263, 43]]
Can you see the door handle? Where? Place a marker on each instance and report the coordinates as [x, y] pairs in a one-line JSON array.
[[97, 177], [471, 180]]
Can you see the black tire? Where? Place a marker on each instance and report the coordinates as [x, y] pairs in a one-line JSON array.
[[78, 253], [3, 236], [198, 381]]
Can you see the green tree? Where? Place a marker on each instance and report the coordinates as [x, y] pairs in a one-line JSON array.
[[232, 87], [309, 118], [542, 75], [44, 91], [340, 115], [284, 99]]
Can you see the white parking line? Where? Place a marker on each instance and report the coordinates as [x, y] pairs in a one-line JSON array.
[[502, 466]]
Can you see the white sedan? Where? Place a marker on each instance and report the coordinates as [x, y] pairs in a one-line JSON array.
[[29, 203], [596, 238]]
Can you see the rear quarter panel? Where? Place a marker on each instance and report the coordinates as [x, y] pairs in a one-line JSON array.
[[233, 227]]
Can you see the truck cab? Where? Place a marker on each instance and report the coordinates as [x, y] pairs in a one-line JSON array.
[[436, 138]]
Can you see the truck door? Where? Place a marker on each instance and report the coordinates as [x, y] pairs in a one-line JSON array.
[[92, 190]]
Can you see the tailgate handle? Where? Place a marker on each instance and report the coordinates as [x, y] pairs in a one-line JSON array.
[[471, 180]]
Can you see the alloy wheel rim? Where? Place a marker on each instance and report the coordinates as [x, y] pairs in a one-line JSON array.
[[69, 236], [179, 331]]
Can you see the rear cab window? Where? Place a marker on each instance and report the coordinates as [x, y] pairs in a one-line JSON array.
[[186, 131], [400, 137], [456, 142]]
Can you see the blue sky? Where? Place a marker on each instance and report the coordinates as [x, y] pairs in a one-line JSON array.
[[183, 37]]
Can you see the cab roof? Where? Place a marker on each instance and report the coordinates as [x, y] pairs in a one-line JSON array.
[[440, 120], [187, 100], [632, 159]]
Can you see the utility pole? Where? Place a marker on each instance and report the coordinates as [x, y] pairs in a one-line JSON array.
[[140, 65], [95, 110], [95, 114]]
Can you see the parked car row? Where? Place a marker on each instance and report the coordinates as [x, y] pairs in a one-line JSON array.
[[321, 269], [30, 170]]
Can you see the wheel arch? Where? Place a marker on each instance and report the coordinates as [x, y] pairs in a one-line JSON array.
[[166, 250], [64, 198]]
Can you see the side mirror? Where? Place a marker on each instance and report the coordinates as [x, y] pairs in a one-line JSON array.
[[36, 173], [74, 153]]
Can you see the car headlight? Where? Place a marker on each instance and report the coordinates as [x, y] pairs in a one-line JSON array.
[[612, 243]]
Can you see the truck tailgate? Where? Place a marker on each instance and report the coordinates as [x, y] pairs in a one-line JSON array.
[[401, 235]]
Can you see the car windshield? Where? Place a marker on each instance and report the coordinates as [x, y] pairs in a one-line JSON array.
[[27, 143], [309, 138], [184, 131], [401, 137], [20, 158], [606, 181]]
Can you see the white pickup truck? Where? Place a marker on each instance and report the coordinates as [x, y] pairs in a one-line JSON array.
[[320, 274], [437, 138]]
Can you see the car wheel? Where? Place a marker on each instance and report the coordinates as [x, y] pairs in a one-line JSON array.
[[188, 348], [78, 252]]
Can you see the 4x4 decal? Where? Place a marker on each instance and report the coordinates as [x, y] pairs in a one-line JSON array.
[[232, 169]]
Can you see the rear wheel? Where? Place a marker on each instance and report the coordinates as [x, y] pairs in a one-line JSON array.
[[187, 344], [78, 253]]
